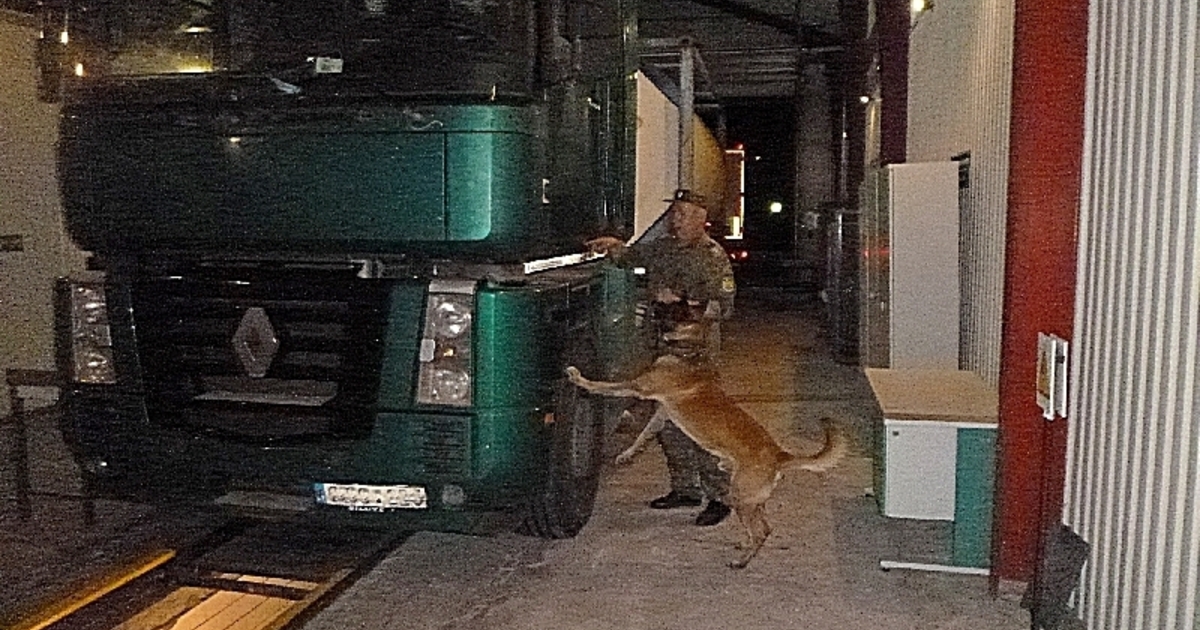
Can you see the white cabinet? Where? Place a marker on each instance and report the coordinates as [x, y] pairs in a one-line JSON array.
[[936, 454], [909, 311], [920, 460]]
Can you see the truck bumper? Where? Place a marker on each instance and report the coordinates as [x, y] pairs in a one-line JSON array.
[[468, 464]]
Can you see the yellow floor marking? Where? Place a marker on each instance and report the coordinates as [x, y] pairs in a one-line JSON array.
[[190, 608], [91, 592]]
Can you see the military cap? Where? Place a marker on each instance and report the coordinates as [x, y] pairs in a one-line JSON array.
[[689, 196]]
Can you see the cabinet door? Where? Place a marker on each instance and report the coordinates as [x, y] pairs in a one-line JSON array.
[[920, 468]]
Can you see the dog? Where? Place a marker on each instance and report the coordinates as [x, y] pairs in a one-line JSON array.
[[689, 394]]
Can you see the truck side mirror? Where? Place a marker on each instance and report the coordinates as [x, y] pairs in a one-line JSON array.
[[51, 54]]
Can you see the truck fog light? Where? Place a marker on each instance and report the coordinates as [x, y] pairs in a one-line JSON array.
[[453, 495]]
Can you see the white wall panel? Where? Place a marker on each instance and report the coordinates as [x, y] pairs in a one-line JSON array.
[[657, 153], [658, 156], [29, 208], [1133, 482]]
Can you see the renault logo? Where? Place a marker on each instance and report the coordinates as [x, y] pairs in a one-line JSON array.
[[255, 343]]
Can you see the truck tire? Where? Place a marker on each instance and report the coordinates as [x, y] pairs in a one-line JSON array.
[[564, 504]]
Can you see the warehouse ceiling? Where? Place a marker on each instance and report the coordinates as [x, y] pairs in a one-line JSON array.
[[749, 49]]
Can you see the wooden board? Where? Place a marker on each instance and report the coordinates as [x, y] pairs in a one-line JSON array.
[[934, 395]]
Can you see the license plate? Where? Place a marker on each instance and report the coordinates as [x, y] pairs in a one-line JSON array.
[[370, 498]]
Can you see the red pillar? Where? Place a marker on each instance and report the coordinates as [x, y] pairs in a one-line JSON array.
[[1045, 163]]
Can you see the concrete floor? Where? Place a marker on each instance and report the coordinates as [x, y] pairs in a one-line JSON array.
[[631, 567]]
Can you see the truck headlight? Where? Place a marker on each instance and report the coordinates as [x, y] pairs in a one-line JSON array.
[[449, 385], [91, 338], [450, 315], [446, 372]]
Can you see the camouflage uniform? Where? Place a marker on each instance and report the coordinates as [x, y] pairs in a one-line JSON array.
[[702, 276], [699, 272]]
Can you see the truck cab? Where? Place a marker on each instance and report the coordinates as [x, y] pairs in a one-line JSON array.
[[336, 251]]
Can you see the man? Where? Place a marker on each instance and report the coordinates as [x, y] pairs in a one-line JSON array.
[[687, 273]]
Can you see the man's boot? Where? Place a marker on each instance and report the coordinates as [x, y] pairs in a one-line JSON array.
[[674, 500], [713, 513]]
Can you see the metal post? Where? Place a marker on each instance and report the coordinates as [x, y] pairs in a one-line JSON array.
[[20, 453], [687, 100]]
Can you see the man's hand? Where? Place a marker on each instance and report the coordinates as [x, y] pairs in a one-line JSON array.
[[573, 374], [605, 245]]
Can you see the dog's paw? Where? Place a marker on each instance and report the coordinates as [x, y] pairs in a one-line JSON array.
[[624, 458], [573, 374]]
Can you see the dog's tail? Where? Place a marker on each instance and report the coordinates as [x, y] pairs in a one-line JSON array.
[[836, 447]]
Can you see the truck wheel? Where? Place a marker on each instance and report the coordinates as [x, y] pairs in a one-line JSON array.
[[564, 504]]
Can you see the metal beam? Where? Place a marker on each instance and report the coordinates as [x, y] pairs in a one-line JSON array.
[[750, 14]]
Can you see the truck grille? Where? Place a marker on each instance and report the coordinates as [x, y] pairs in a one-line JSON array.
[[264, 354], [441, 445]]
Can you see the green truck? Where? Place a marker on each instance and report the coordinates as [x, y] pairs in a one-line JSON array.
[[336, 252]]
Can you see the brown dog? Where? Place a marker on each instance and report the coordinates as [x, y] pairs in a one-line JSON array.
[[690, 395]]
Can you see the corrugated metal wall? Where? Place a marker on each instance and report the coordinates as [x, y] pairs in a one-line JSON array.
[[1133, 486], [959, 103], [982, 225]]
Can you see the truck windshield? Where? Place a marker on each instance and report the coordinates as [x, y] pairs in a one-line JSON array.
[[422, 46]]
